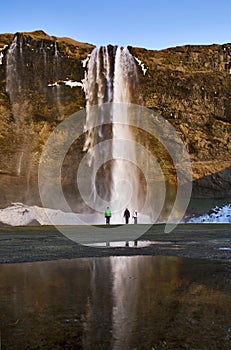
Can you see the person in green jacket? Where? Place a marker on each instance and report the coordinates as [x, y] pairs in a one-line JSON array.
[[107, 215]]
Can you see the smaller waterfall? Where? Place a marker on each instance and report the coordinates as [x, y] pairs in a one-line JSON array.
[[55, 73], [14, 59], [99, 90]]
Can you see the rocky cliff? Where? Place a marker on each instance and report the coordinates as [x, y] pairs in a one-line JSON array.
[[190, 86], [41, 85]]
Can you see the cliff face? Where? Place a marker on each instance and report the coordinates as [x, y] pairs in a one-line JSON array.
[[190, 86], [41, 85]]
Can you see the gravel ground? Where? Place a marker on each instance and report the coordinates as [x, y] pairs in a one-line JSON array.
[[43, 243]]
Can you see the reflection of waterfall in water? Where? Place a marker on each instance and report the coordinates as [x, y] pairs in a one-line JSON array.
[[111, 77], [125, 292]]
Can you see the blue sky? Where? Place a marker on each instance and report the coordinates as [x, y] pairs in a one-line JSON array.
[[144, 23]]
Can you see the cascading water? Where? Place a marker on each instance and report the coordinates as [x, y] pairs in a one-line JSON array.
[[98, 90], [23, 59], [124, 173], [111, 77], [14, 60]]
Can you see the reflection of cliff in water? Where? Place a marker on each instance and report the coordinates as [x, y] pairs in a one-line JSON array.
[[115, 303]]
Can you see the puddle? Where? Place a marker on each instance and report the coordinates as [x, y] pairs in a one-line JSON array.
[[115, 303], [131, 244], [224, 248]]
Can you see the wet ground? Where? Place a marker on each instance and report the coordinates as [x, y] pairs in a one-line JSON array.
[[171, 292], [39, 243]]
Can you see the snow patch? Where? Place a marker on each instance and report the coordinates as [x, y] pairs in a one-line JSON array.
[[84, 62], [19, 214], [216, 215], [73, 83], [142, 65], [70, 83], [1, 54]]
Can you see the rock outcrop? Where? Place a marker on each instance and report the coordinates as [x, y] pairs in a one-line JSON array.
[[41, 80]]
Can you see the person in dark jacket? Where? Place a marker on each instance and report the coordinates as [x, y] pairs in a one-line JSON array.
[[126, 215]]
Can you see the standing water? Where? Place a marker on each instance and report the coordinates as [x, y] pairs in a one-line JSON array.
[[116, 303], [111, 82]]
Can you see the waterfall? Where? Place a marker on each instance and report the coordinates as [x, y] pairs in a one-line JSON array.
[[14, 61], [124, 174], [111, 77]]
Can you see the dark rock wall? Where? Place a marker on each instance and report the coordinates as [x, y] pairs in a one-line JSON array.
[[190, 86]]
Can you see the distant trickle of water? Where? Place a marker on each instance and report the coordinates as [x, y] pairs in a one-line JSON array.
[[14, 60], [111, 77], [23, 61]]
